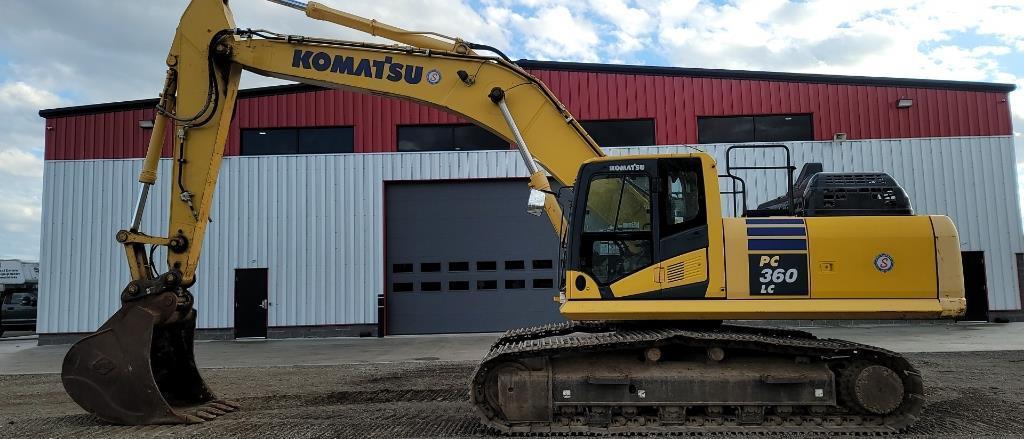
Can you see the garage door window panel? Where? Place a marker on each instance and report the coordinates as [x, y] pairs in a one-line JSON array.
[[543, 283], [515, 284], [515, 265]]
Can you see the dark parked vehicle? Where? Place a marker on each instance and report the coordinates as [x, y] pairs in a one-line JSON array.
[[18, 311]]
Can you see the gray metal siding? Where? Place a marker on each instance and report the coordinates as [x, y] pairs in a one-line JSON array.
[[317, 222]]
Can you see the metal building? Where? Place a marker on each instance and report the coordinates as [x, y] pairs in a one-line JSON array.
[[369, 176]]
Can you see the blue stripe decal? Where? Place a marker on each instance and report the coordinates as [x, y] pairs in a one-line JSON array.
[[776, 231], [775, 221], [776, 244]]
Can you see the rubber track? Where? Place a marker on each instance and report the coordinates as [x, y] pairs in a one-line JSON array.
[[599, 337]]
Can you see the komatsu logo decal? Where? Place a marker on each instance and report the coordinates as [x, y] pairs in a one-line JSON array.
[[371, 68], [632, 167]]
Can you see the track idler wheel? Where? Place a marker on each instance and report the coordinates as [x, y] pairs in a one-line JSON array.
[[139, 368], [873, 388]]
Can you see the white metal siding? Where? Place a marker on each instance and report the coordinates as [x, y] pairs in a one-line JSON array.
[[317, 222]]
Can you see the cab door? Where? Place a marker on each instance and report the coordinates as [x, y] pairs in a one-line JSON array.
[[683, 231]]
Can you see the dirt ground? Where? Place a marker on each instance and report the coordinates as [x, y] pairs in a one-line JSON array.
[[970, 395]]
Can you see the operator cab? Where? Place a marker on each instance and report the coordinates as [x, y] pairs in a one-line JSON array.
[[634, 218]]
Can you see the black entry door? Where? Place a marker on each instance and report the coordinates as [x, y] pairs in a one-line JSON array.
[[251, 302], [975, 286]]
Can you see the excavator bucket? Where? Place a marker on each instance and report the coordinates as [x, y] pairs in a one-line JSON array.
[[139, 368]]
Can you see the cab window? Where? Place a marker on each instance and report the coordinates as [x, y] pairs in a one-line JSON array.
[[683, 203], [683, 197], [618, 204], [617, 239]]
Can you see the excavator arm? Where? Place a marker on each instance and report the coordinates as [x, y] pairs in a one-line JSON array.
[[208, 55], [138, 368]]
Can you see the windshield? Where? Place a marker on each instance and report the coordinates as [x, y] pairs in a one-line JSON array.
[[617, 227], [618, 203]]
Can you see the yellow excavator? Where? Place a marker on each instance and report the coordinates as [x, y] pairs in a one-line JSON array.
[[651, 265]]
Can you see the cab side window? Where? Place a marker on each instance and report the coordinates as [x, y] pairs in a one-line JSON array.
[[683, 197], [684, 200]]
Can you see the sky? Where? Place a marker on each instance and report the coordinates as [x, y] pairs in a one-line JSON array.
[[56, 53]]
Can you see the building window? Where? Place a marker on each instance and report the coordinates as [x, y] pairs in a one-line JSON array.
[[464, 137], [273, 141], [637, 132], [740, 129]]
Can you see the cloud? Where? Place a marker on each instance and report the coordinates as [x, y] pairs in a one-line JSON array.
[[18, 163], [21, 167], [556, 33], [18, 94], [631, 25]]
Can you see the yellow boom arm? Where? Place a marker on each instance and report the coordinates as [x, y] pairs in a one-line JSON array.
[[208, 54]]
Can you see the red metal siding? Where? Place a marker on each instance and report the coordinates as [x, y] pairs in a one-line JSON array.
[[674, 102]]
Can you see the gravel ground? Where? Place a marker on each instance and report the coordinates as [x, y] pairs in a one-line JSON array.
[[970, 395]]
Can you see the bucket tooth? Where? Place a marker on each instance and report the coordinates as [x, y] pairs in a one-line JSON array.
[[222, 407], [212, 410], [234, 405], [206, 416]]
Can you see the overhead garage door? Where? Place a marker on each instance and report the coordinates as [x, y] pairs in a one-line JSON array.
[[466, 257]]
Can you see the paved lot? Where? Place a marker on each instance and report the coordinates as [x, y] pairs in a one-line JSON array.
[[416, 386]]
